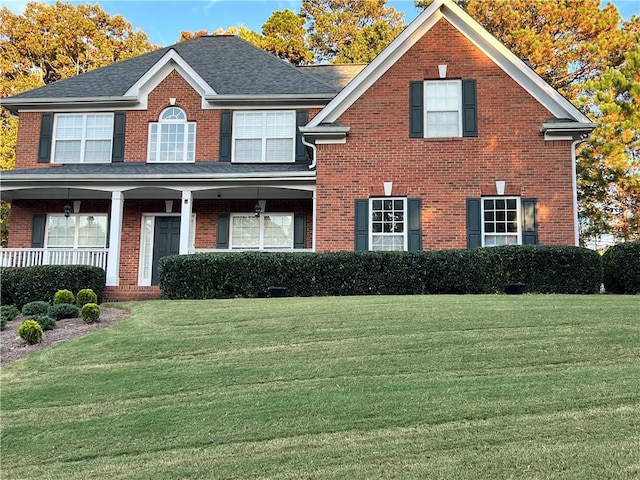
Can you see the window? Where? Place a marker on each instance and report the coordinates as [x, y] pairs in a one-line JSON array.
[[76, 231], [268, 231], [388, 226], [264, 136], [172, 139], [501, 221], [83, 138], [443, 108]]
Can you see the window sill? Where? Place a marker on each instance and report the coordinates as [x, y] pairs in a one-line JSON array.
[[443, 139]]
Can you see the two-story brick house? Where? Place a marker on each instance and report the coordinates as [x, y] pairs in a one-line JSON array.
[[446, 140]]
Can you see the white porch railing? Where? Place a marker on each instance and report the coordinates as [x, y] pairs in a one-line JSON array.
[[28, 257]]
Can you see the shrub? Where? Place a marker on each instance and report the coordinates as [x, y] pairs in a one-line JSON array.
[[30, 331], [543, 269], [9, 312], [63, 310], [35, 308], [84, 296], [21, 285], [90, 313], [621, 268], [45, 321], [63, 297], [3, 323]]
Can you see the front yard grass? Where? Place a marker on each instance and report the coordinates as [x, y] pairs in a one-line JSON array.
[[425, 387]]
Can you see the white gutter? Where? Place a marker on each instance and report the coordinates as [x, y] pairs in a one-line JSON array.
[[313, 149]]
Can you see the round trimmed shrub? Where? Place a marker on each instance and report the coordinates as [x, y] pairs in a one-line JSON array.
[[35, 308], [90, 313], [63, 297], [30, 331], [9, 312], [621, 268], [63, 310], [84, 296], [45, 321]]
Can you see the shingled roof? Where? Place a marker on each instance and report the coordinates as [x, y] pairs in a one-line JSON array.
[[230, 65]]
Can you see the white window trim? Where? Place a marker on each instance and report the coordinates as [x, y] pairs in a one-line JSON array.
[[426, 108], [261, 239], [185, 146], [518, 218], [143, 280], [75, 245], [405, 232], [263, 154], [83, 138]]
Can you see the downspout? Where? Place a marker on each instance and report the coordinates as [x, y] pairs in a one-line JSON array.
[[313, 149], [574, 181]]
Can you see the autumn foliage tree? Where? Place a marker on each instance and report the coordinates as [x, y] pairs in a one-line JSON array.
[[49, 42]]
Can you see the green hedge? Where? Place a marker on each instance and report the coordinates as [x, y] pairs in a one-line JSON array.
[[485, 270], [21, 285], [621, 268]]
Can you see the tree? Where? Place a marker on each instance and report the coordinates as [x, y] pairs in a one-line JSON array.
[[240, 31], [609, 165], [284, 36], [49, 42], [350, 31]]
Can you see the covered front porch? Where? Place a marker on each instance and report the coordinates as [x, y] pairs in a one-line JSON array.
[[127, 226]]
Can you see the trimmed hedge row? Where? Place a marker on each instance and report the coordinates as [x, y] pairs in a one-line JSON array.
[[21, 285], [621, 268], [543, 269]]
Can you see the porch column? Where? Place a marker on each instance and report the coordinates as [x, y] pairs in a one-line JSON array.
[[313, 221], [185, 221], [115, 236]]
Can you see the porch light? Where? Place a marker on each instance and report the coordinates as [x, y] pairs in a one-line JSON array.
[[259, 207], [67, 210]]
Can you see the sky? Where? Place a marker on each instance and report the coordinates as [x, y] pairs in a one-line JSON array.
[[163, 20]]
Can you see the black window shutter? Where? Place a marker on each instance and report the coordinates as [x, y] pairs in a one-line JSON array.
[[117, 150], [415, 224], [300, 230], [474, 229], [416, 109], [469, 109], [301, 120], [46, 136], [529, 224], [226, 128], [362, 225], [222, 240], [37, 232]]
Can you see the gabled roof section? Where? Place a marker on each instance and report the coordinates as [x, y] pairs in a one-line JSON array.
[[472, 30], [220, 66]]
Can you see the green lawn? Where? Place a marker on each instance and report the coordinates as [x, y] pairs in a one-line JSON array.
[[425, 387]]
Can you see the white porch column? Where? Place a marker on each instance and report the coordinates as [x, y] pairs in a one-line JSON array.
[[313, 221], [185, 221], [115, 236]]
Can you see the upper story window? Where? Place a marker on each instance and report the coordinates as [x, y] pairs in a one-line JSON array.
[[443, 104], [443, 109], [501, 221], [268, 136], [82, 138], [76, 231], [172, 138], [388, 223]]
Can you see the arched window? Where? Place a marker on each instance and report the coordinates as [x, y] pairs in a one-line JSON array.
[[172, 138]]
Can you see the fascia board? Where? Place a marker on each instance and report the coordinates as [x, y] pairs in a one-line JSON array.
[[169, 62], [66, 103], [277, 100]]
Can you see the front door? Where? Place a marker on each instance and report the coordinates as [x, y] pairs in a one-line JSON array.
[[166, 241]]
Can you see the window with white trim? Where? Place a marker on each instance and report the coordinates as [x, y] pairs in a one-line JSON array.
[[76, 231], [388, 223], [268, 136], [268, 231], [501, 221], [82, 138], [172, 139], [442, 108]]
